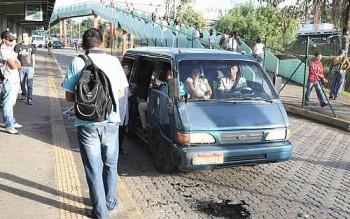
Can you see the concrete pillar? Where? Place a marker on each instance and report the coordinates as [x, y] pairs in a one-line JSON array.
[[111, 34], [124, 36], [19, 33], [65, 32], [131, 41], [13, 28], [61, 24], [3, 22], [96, 18]]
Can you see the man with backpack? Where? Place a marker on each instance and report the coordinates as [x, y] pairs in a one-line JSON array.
[[97, 136]]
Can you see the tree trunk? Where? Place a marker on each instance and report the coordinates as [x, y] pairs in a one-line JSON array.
[[346, 26]]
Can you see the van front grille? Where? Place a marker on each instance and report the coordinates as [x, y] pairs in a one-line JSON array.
[[244, 158], [241, 137]]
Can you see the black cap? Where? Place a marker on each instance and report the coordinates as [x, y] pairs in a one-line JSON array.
[[7, 35]]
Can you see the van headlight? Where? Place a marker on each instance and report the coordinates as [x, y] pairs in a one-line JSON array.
[[195, 138], [278, 134]]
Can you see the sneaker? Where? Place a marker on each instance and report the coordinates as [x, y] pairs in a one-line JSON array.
[[30, 102], [306, 104], [23, 98], [324, 104], [11, 130], [17, 126]]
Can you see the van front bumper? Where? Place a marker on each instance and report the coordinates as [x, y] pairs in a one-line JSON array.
[[234, 155]]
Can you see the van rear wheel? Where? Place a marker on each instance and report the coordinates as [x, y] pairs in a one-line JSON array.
[[162, 161]]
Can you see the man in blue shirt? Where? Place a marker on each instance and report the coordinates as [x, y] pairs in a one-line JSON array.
[[98, 141]]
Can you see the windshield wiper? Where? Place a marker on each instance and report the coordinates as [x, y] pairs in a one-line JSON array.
[[257, 99]]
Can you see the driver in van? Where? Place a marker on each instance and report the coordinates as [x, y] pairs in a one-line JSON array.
[[198, 87], [232, 80]]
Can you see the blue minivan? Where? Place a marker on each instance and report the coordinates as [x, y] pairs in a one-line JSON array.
[[202, 109]]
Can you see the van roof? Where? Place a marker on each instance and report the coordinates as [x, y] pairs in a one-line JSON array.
[[188, 53]]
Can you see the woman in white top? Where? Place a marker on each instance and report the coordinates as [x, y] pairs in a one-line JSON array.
[[226, 83], [198, 87], [212, 39], [258, 51]]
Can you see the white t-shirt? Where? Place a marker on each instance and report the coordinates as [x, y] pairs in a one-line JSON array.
[[200, 87], [110, 65], [259, 48], [7, 53], [212, 38]]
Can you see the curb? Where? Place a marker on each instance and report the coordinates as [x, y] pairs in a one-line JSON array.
[[337, 122]]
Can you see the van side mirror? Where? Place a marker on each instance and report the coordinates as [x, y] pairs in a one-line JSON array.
[[173, 88]]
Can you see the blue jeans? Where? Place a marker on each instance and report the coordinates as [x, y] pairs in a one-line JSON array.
[[309, 87], [99, 149], [337, 82], [26, 75], [9, 94]]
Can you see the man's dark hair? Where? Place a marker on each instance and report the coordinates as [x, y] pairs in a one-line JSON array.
[[317, 53], [92, 38]]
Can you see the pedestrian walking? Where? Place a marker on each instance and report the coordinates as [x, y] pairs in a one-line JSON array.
[[211, 39], [258, 51], [340, 65], [26, 55], [224, 40], [49, 47], [314, 80], [11, 81], [98, 141]]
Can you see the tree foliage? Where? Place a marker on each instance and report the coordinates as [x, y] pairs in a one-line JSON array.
[[191, 17], [273, 24]]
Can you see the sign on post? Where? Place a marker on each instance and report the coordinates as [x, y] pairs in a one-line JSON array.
[[33, 12]]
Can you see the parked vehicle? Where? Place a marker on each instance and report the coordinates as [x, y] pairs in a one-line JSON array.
[[247, 125], [57, 45]]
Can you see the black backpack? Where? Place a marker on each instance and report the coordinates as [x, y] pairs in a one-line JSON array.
[[49, 44], [93, 94]]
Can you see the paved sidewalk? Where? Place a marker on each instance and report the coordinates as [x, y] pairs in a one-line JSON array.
[[41, 175], [291, 96]]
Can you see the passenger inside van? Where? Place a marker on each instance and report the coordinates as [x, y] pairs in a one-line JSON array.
[[232, 81], [197, 86]]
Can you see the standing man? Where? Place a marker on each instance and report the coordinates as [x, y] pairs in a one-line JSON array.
[[98, 141], [26, 55], [315, 75], [11, 81], [341, 64]]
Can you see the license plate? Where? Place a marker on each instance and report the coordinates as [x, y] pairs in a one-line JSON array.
[[200, 159]]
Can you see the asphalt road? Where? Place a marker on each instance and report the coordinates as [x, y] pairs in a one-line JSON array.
[[313, 184]]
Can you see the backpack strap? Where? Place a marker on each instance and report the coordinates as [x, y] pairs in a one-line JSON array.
[[86, 59]]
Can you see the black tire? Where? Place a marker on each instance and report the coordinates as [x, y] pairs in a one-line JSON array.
[[162, 160]]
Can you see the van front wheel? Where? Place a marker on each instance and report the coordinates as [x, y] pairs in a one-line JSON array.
[[162, 162]]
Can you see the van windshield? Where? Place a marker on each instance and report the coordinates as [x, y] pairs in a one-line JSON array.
[[224, 80]]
